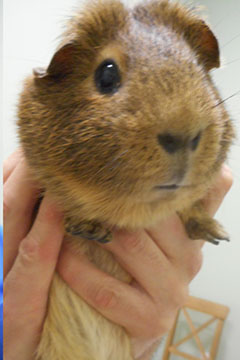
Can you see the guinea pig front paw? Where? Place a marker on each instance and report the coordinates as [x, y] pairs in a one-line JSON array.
[[89, 230], [199, 225], [207, 229]]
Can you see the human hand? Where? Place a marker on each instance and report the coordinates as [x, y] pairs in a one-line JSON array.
[[30, 256], [162, 261], [30, 260]]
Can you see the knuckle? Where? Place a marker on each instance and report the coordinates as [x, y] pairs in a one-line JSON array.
[[133, 243], [7, 203], [28, 250], [194, 264], [103, 297], [227, 181]]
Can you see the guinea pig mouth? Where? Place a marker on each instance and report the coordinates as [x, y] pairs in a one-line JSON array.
[[167, 187]]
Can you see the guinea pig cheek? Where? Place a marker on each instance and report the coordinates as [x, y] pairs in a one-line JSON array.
[[205, 159]]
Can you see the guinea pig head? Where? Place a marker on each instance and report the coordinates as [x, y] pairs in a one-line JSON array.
[[127, 109]]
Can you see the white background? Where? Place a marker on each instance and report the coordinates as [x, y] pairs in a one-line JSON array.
[[31, 28]]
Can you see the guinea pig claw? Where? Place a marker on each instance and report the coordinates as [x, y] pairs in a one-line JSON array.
[[207, 229], [216, 235], [214, 240], [90, 231], [105, 239]]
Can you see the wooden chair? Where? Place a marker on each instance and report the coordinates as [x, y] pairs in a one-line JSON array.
[[218, 314]]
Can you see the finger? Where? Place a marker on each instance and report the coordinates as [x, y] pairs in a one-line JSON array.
[[170, 234], [171, 237], [20, 196], [216, 194], [27, 284], [117, 301], [183, 253], [142, 259], [10, 163]]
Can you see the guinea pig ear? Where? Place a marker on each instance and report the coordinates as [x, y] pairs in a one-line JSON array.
[[204, 43], [185, 22], [60, 65]]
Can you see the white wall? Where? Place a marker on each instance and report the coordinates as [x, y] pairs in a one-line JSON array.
[[30, 30], [219, 279]]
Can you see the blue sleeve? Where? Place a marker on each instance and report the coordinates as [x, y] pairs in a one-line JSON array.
[[1, 294]]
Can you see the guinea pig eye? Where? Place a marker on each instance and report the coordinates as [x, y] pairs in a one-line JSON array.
[[107, 77]]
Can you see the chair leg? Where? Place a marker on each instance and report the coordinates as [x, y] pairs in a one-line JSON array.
[[170, 337]]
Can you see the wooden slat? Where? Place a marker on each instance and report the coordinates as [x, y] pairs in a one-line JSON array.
[[197, 330], [183, 354], [195, 335], [208, 307], [216, 339], [170, 338], [216, 310]]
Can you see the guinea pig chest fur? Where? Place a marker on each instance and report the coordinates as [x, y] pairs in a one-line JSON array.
[[123, 128]]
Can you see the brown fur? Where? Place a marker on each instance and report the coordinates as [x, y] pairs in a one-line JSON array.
[[99, 156]]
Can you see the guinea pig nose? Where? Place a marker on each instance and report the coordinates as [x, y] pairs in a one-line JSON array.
[[195, 142], [170, 143]]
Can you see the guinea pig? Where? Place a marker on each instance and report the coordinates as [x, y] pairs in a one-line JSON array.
[[124, 127]]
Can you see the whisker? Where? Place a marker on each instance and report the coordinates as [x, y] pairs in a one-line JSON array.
[[224, 100], [225, 65], [229, 42], [220, 21], [231, 62]]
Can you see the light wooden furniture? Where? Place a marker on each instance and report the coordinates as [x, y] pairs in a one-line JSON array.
[[218, 314]]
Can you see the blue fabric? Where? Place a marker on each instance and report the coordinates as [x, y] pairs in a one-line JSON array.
[[1, 293]]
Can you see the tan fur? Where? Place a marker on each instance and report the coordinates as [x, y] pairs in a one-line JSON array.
[[99, 155], [74, 330]]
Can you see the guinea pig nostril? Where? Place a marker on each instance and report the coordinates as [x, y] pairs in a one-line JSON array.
[[170, 143], [195, 142]]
